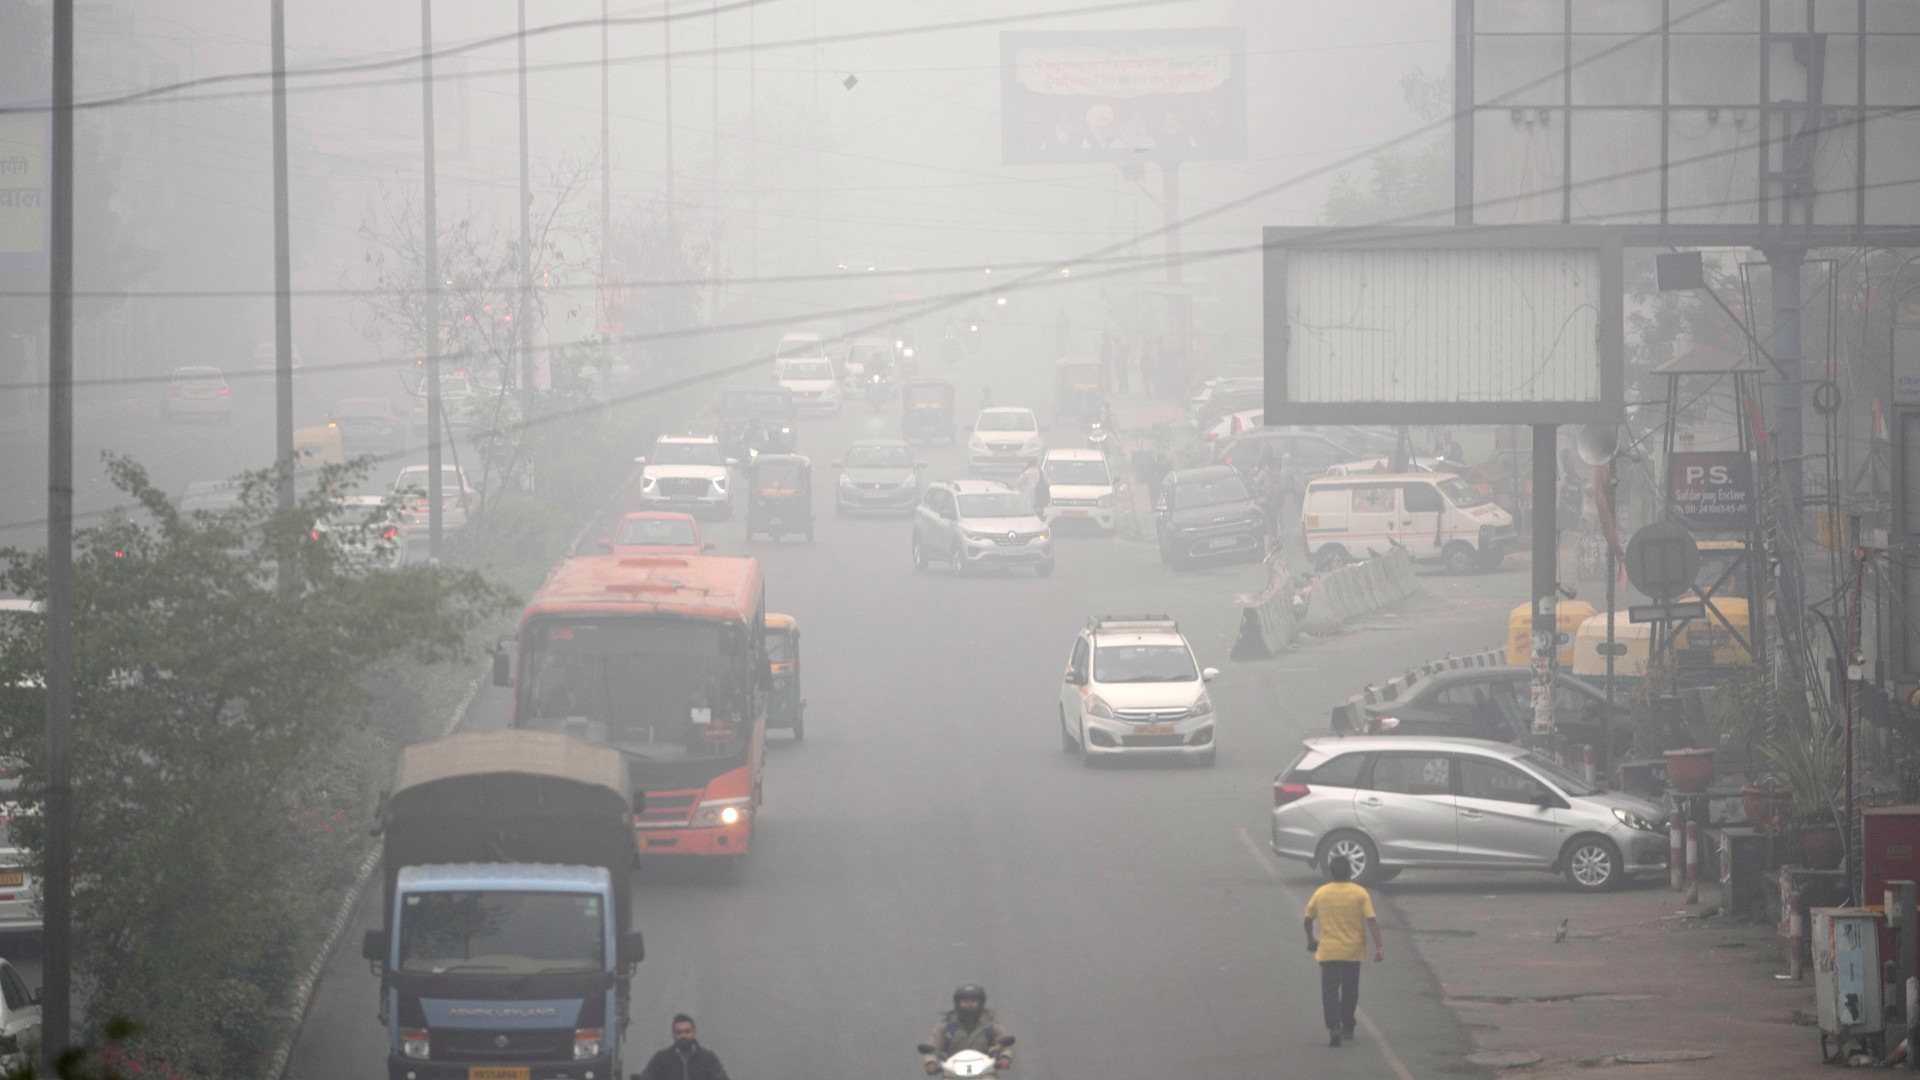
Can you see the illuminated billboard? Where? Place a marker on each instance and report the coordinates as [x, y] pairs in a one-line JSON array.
[[1123, 95]]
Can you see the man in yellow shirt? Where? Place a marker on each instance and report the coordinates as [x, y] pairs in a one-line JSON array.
[[1345, 913]]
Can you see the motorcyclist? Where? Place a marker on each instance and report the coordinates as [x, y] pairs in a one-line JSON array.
[[969, 1026]]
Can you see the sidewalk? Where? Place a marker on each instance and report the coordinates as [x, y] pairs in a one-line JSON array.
[[1640, 973]]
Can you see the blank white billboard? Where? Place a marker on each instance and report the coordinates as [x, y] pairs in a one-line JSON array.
[[1462, 326]]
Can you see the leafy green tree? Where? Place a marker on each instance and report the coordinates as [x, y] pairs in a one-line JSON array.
[[211, 704]]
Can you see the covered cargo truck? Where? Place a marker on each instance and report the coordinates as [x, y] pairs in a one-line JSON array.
[[505, 949]]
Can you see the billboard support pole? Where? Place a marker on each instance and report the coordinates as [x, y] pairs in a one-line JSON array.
[[1170, 206], [1546, 578]]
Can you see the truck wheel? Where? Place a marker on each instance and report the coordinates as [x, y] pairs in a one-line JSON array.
[[1459, 558]]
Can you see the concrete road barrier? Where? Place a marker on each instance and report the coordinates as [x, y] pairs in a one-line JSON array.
[[1349, 717]]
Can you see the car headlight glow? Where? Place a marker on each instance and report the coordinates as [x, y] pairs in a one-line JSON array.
[[1097, 706], [1202, 707], [414, 1043], [648, 483], [586, 1043], [720, 485], [1634, 821], [720, 812], [1042, 538]]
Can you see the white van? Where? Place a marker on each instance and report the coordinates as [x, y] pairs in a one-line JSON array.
[[1437, 518]]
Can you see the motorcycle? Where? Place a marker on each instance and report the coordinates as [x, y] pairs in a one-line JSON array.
[[879, 389], [1097, 436], [969, 1063]]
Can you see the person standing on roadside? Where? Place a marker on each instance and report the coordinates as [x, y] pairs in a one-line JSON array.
[[1344, 911], [686, 1059]]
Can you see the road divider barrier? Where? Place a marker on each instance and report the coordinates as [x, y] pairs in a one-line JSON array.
[[1358, 589], [1349, 717], [1270, 621]]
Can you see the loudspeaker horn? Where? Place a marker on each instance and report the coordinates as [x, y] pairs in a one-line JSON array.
[[1598, 443]]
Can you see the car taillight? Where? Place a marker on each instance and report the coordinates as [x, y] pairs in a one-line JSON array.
[[315, 534], [225, 390], [1284, 793], [390, 533]]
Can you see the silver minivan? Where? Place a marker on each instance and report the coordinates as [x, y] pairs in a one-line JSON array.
[[1393, 803]]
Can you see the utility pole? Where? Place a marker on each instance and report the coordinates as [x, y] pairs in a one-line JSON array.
[[606, 178], [430, 256], [522, 318], [666, 28], [713, 242], [813, 50], [282, 270], [57, 878]]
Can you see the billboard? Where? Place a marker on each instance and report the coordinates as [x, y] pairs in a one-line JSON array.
[[1451, 326], [1071, 97], [25, 195]]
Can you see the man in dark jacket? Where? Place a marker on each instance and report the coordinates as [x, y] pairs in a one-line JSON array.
[[686, 1059], [970, 1026]]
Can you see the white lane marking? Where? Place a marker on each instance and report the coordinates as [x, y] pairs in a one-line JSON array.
[[1272, 871]]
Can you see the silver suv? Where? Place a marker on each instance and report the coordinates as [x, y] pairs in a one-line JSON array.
[[1393, 803], [1132, 687], [973, 524]]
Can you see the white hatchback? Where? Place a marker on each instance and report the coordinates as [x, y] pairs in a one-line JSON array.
[[1005, 438], [1079, 489], [814, 386], [1132, 688]]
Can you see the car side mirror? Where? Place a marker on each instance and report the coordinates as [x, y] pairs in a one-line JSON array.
[[502, 668], [33, 996], [1073, 678], [633, 948], [640, 461], [373, 947], [1209, 674]]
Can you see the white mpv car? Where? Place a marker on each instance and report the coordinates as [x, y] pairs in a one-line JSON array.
[[1132, 688]]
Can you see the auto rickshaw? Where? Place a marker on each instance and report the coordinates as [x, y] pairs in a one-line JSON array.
[[1079, 388], [780, 496], [927, 410], [785, 707]]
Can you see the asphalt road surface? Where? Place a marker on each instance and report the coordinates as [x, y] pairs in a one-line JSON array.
[[1127, 921]]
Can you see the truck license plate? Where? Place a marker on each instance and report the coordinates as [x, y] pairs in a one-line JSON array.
[[500, 1072]]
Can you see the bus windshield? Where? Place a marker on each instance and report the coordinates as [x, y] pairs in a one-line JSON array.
[[658, 690]]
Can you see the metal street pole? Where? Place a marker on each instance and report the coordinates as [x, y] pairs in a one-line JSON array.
[[713, 243], [56, 899], [753, 142], [282, 270], [666, 29], [522, 335], [1546, 577], [430, 256], [606, 176]]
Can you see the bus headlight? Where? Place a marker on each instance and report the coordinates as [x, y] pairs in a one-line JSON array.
[[720, 812]]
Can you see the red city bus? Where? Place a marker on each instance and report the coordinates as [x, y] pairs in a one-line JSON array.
[[663, 658]]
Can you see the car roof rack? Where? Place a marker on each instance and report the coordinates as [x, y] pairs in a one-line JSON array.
[[1132, 622]]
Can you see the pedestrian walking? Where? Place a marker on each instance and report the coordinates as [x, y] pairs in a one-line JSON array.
[[1345, 915], [686, 1059]]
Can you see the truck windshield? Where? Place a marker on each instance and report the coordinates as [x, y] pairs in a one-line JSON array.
[[511, 932], [661, 690]]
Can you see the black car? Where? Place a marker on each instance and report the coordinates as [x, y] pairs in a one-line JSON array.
[[1496, 703], [1207, 513]]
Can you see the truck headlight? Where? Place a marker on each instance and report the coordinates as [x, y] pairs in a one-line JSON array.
[[414, 1043], [586, 1043]]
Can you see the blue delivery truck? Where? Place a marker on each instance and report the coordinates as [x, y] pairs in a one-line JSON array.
[[506, 952]]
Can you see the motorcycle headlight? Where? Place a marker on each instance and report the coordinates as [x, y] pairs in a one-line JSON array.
[[1104, 500], [414, 1044], [1634, 821], [648, 483], [586, 1043], [1202, 707], [1097, 706]]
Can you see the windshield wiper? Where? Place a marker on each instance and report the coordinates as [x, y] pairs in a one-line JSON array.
[[457, 969]]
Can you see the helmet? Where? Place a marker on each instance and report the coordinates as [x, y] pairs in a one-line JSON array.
[[970, 990]]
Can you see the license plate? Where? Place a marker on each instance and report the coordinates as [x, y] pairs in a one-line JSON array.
[[1064, 512], [12, 877], [1224, 542], [499, 1072], [1154, 729]]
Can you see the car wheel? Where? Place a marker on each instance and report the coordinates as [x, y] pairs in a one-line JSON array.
[[1087, 757], [958, 558], [1331, 558], [919, 556], [1067, 745], [1459, 558], [1359, 852], [1593, 864]]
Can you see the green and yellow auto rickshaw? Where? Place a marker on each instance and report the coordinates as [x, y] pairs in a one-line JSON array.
[[927, 410], [780, 496], [785, 707]]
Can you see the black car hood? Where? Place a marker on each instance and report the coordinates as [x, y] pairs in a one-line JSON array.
[[1215, 514]]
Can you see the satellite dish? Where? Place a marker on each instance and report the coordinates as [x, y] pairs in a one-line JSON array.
[[1598, 443]]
